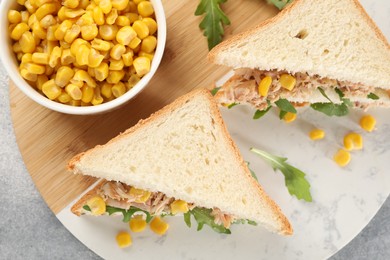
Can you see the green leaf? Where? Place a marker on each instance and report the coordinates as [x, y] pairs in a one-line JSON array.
[[294, 178], [326, 96], [187, 218], [127, 214], [372, 96], [279, 3], [203, 217], [285, 105], [282, 114], [213, 20], [252, 172], [232, 105], [214, 91], [245, 221], [86, 207], [331, 109], [340, 93], [260, 113]]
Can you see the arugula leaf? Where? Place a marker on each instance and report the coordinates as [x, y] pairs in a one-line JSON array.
[[245, 221], [332, 109], [285, 105], [187, 218], [372, 96], [86, 207], [294, 178], [213, 21], [282, 114], [279, 3], [232, 105], [252, 172], [127, 214], [214, 91], [260, 113], [203, 216]]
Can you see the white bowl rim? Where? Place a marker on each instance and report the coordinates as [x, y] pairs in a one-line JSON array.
[[9, 63]]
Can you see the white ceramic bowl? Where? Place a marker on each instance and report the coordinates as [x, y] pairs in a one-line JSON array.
[[11, 65]]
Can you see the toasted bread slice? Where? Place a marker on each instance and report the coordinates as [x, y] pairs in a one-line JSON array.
[[185, 151]]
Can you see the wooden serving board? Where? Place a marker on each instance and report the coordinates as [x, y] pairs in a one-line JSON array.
[[47, 139]]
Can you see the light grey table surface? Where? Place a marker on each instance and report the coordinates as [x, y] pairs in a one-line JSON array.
[[29, 230]]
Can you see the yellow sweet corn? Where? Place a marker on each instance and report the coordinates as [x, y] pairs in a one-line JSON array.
[[141, 29], [118, 89], [115, 76], [40, 58], [59, 34], [134, 43], [149, 44], [152, 25], [132, 81], [97, 205], [55, 56], [14, 16], [16, 47], [25, 16], [342, 157], [97, 98], [84, 4], [27, 42], [67, 58], [45, 9], [100, 45], [132, 17], [105, 5], [108, 32], [39, 31], [73, 13], [74, 91], [19, 30], [106, 90], [64, 98], [145, 8], [41, 79], [353, 141], [82, 75], [125, 35], [94, 58], [158, 226], [123, 239], [32, 20], [28, 75], [141, 65], [137, 1], [72, 33], [101, 72], [289, 117], [71, 3], [89, 32], [264, 86], [117, 51], [368, 123], [317, 134], [128, 58], [120, 5], [82, 55], [98, 15], [51, 90], [137, 223], [122, 21], [141, 196], [86, 19], [116, 64], [87, 93], [146, 54], [47, 21], [287, 81], [63, 76], [179, 206], [112, 16]]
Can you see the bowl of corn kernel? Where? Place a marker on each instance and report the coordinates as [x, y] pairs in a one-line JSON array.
[[81, 56]]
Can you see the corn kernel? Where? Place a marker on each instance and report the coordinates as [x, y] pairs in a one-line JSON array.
[[67, 58], [122, 21], [86, 19], [117, 51], [92, 5], [27, 42], [132, 17], [74, 13], [41, 79], [87, 94], [131, 8], [74, 92], [45, 9], [125, 35], [342, 157], [132, 81], [61, 14], [25, 15], [108, 32], [141, 65], [39, 31], [264, 86], [55, 56], [149, 44], [72, 33], [98, 16], [141, 196], [128, 58], [105, 5], [118, 89], [135, 43], [146, 54], [123, 239], [21, 2], [75, 46], [317, 134], [100, 45], [64, 98], [63, 76], [289, 117], [158, 226], [120, 4], [82, 75], [116, 65], [94, 58], [141, 29], [368, 123], [50, 33], [84, 4], [71, 3], [14, 16], [115, 76], [138, 1], [59, 34], [47, 21], [97, 205], [16, 47], [287, 81], [101, 72], [89, 32], [28, 75], [51, 90], [97, 98], [353, 141], [145, 8], [82, 55], [19, 30], [106, 90], [32, 20], [152, 25], [179, 206], [112, 16], [137, 223]]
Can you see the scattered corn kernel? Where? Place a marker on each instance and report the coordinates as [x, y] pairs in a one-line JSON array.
[[55, 56], [106, 90], [63, 76], [97, 98], [89, 32], [45, 9], [116, 64], [123, 239], [316, 134], [101, 72], [67, 57], [35, 68], [368, 123], [120, 4], [100, 45], [74, 91], [289, 117], [151, 23], [141, 29], [125, 35], [145, 8], [115, 76], [87, 94], [97, 205], [51, 90], [40, 58], [14, 16], [134, 43], [112, 16], [41, 79], [28, 75], [71, 3], [98, 15], [264, 86], [140, 195], [105, 5], [353, 141], [122, 21], [158, 226], [287, 81], [19, 30], [137, 223], [117, 51], [342, 157], [64, 98], [179, 206], [82, 55], [108, 32], [94, 58], [128, 58], [141, 65], [72, 33]]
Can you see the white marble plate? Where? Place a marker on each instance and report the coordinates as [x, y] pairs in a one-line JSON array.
[[344, 199]]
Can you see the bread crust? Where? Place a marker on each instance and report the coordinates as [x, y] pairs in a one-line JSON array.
[[77, 207], [280, 16], [285, 226]]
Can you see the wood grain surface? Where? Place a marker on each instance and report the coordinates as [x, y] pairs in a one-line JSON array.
[[47, 139]]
